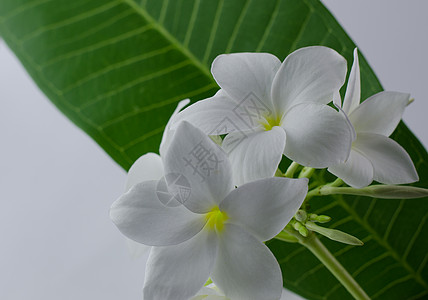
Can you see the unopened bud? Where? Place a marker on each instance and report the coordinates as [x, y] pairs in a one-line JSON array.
[[397, 191], [313, 217], [323, 219], [301, 229], [334, 234], [301, 216]]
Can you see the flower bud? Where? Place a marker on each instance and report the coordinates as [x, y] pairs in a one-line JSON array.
[[396, 191], [301, 229], [301, 215], [323, 219], [334, 234]]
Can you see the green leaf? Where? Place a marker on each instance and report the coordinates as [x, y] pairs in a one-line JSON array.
[[117, 68]]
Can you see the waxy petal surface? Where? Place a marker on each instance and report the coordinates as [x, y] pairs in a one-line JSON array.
[[357, 171], [140, 216], [254, 155], [317, 135], [353, 89], [245, 269], [146, 167], [391, 163], [311, 74], [179, 272], [240, 74], [380, 114], [218, 115], [204, 164], [168, 132], [265, 206]]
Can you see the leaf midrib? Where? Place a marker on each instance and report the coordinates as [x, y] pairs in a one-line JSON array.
[[156, 25]]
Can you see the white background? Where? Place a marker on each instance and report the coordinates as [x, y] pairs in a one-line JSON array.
[[56, 184]]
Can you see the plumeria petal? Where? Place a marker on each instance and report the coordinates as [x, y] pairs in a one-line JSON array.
[[311, 74], [350, 126], [391, 163], [245, 268], [168, 132], [337, 99], [210, 292], [353, 89], [179, 272], [265, 206], [217, 115], [147, 167], [140, 216], [204, 164], [317, 135], [380, 113], [240, 74], [357, 171], [254, 155]]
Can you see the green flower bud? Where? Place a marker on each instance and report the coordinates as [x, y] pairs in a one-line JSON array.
[[301, 229], [323, 219], [334, 234], [301, 215]]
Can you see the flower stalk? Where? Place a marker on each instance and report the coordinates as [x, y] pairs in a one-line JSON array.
[[313, 244], [291, 170]]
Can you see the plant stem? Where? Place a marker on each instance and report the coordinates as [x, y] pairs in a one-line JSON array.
[[334, 266], [313, 244], [319, 191], [306, 172], [291, 169]]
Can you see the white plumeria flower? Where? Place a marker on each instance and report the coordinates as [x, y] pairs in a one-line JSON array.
[[218, 232], [278, 108], [150, 167], [374, 156]]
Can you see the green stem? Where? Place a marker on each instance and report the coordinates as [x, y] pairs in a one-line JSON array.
[[291, 169], [313, 244], [337, 182], [320, 190], [306, 172]]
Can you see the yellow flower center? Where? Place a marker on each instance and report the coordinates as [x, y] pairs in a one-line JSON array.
[[270, 121], [215, 219]]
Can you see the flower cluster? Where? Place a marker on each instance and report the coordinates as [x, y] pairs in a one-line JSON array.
[[206, 205]]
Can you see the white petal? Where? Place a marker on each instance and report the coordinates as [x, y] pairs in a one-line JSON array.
[[245, 268], [391, 163], [179, 272], [380, 113], [337, 99], [240, 74], [317, 135], [357, 171], [353, 89], [147, 167], [311, 74], [350, 126], [140, 216], [217, 115], [265, 206], [204, 164], [209, 290], [255, 155], [168, 132]]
